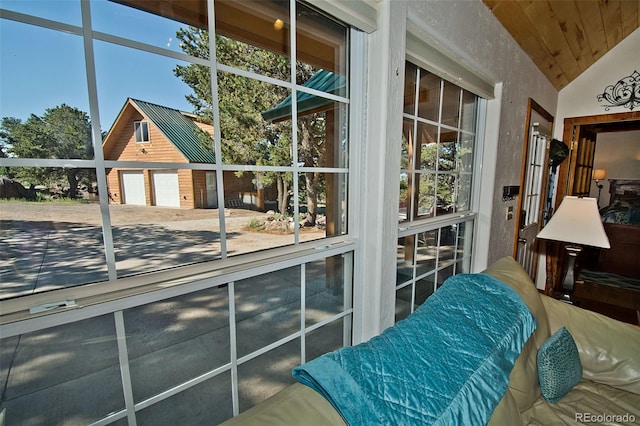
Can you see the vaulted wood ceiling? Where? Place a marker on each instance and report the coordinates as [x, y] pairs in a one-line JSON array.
[[565, 37]]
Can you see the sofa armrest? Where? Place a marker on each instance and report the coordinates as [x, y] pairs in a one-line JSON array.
[[609, 349]]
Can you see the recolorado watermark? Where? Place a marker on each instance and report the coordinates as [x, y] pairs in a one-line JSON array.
[[604, 418]]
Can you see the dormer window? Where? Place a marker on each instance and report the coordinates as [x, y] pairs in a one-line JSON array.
[[141, 129]]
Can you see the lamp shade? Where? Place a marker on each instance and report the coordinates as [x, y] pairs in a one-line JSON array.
[[576, 221], [599, 174]]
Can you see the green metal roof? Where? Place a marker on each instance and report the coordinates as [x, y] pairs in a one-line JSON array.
[[323, 81], [179, 129]]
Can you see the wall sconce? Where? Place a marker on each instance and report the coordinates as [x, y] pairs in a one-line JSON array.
[[598, 175], [142, 150]]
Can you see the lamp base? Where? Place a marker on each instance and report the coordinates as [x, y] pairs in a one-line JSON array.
[[569, 281]]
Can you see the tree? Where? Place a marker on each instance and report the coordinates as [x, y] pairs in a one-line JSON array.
[[246, 137], [63, 132]]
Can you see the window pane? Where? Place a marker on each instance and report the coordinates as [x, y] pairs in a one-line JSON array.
[[149, 238], [469, 111], [58, 10], [462, 199], [427, 196], [207, 403], [322, 51], [322, 136], [448, 244], [447, 150], [267, 309], [429, 96], [443, 274], [406, 153], [44, 109], [410, 72], [250, 228], [465, 237], [427, 148], [405, 259], [323, 205], [324, 290], [253, 35], [404, 297], [446, 193], [151, 90], [404, 205], [424, 288], [450, 104], [255, 128], [62, 375], [427, 252], [325, 339], [267, 374], [136, 23], [193, 328], [59, 234], [466, 152]]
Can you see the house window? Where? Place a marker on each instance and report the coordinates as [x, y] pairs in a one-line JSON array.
[[141, 129], [226, 245], [435, 209]]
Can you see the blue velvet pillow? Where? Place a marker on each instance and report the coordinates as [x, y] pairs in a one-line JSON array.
[[559, 367]]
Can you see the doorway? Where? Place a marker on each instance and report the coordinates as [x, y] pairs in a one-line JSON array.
[[534, 184], [580, 133], [575, 174]]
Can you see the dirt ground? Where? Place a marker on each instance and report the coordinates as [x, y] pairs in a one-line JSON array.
[[89, 213]]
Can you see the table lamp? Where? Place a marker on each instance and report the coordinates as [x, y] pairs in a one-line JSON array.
[[598, 175], [576, 223]]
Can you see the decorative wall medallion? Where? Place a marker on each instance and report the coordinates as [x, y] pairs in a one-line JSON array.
[[625, 93]]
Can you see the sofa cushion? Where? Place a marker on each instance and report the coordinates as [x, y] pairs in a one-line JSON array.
[[587, 403], [609, 349], [559, 367], [523, 382]]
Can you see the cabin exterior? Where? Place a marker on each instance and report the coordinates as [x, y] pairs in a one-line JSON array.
[[149, 133]]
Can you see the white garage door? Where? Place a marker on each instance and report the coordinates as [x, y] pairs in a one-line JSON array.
[[166, 190], [133, 187]]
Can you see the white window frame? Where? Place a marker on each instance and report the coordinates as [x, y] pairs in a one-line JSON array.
[[140, 129], [421, 51], [111, 297]]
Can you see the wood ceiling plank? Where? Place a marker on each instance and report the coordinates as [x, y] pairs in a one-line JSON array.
[[612, 19], [542, 17], [516, 22], [571, 25], [629, 11], [592, 19]]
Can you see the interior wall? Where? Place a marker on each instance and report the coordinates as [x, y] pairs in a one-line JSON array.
[[471, 33], [580, 97], [619, 154]]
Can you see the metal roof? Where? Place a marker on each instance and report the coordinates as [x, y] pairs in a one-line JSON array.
[[323, 81], [179, 129]]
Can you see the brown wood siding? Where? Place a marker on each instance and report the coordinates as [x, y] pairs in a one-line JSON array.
[[185, 185], [200, 189]]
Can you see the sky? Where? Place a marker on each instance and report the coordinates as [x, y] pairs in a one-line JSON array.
[[42, 68]]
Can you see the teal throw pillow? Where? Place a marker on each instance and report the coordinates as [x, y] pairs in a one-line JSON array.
[[559, 367]]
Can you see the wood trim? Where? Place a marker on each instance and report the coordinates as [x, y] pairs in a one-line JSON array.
[[532, 105], [569, 136]]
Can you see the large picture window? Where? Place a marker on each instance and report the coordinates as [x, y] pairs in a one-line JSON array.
[[221, 241], [435, 211]]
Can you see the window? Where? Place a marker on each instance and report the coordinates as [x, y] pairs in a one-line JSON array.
[[435, 209], [224, 244], [141, 129]]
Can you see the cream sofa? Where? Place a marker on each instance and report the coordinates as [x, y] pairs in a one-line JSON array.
[[609, 392]]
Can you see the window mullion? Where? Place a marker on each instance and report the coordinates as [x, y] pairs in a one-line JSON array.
[[92, 87]]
